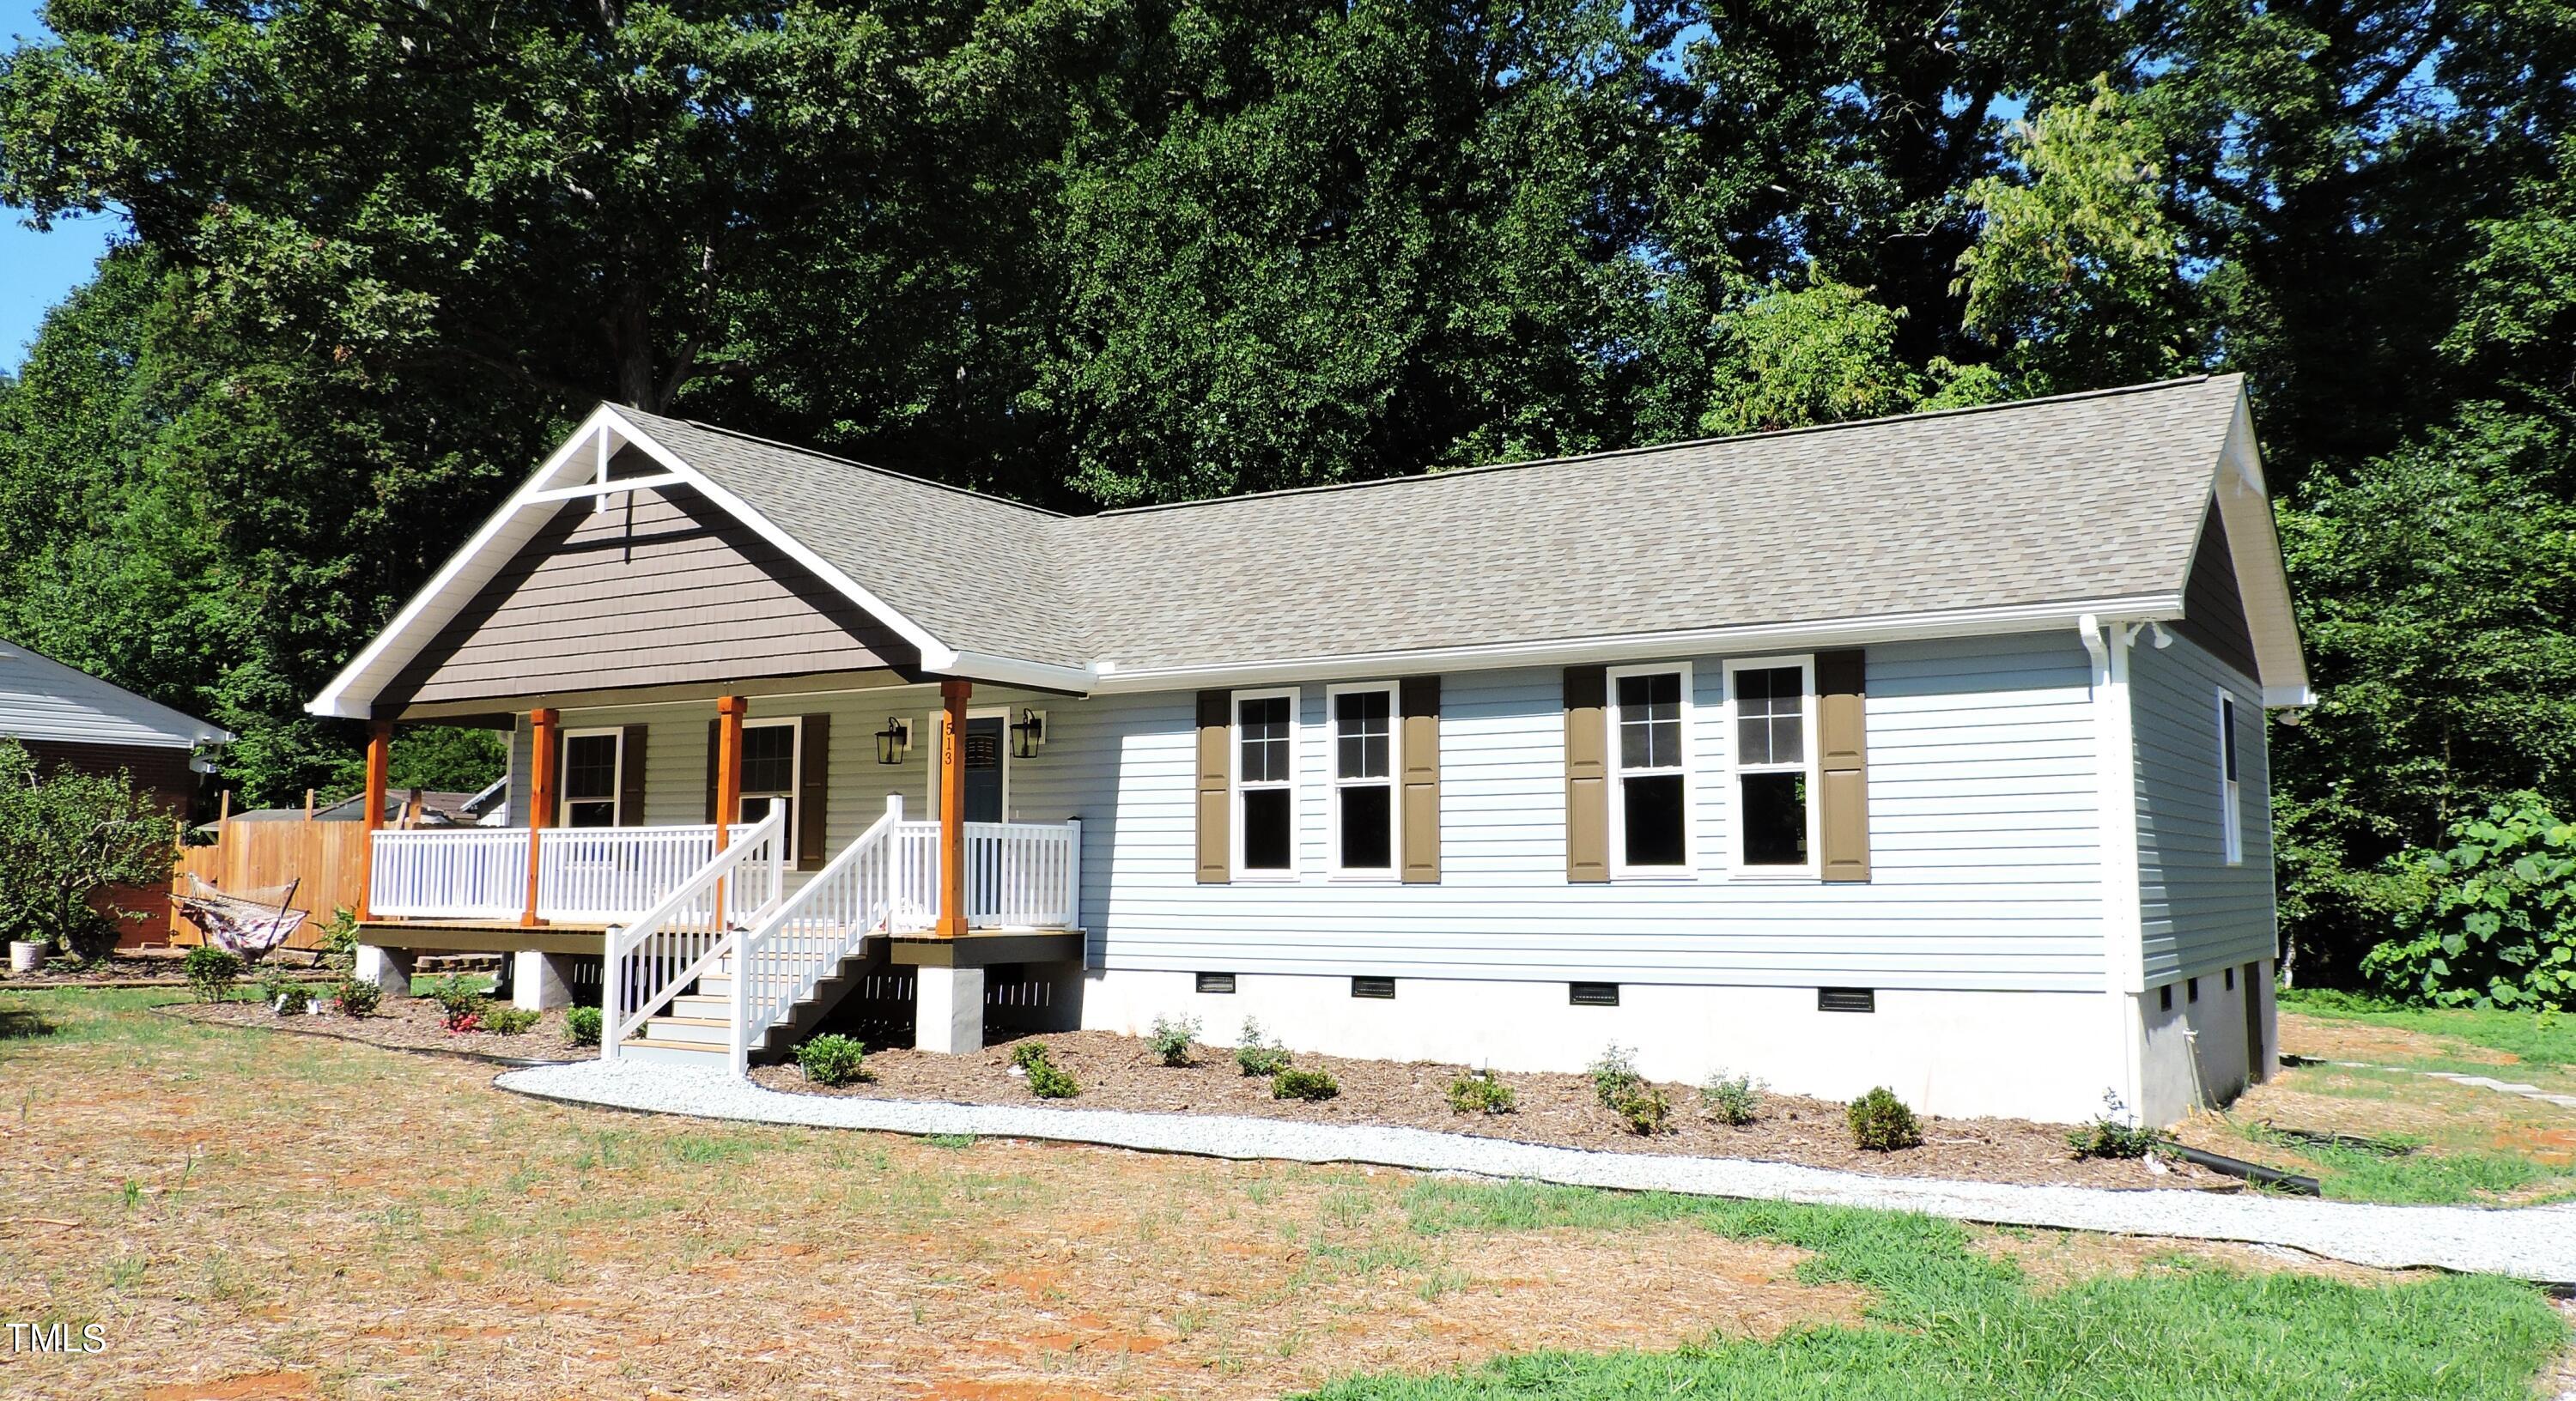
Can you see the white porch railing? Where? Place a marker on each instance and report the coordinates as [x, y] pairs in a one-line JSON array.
[[679, 939], [1019, 875], [469, 873], [585, 875]]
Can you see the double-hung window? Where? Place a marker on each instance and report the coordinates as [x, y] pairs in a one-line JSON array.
[[769, 767], [2231, 817], [591, 759], [1265, 783], [1650, 767], [1772, 724], [1364, 766]]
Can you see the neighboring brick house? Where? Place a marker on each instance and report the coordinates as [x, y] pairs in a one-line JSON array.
[[70, 719]]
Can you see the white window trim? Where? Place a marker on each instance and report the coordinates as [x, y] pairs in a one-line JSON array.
[[795, 769], [2231, 790], [617, 776], [1808, 746], [1393, 783], [930, 756], [1619, 867], [1234, 783]]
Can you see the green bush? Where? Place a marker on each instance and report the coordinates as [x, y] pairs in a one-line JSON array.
[[1732, 1099], [1643, 1108], [212, 972], [355, 997], [1881, 1123], [69, 837], [464, 1004], [1257, 1056], [2111, 1135], [2490, 922], [1293, 1082], [510, 1021], [1172, 1040], [282, 996], [1481, 1092], [830, 1059], [1046, 1079], [1614, 1075], [582, 1026]]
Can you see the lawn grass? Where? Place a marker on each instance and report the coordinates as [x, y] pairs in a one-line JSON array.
[[2535, 1038], [1951, 1322]]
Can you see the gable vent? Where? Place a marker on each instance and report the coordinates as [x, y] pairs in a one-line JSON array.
[[1846, 999]]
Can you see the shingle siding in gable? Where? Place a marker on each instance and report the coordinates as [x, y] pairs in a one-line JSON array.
[[1982, 810], [2199, 913]]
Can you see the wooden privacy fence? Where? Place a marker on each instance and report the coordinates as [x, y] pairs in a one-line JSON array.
[[329, 858]]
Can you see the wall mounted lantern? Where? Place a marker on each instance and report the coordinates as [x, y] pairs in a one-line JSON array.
[[1027, 733], [893, 740]]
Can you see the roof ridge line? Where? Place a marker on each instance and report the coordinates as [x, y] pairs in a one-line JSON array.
[[1607, 453], [950, 487]]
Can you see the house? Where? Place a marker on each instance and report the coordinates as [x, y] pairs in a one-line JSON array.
[[412, 807], [69, 719], [1926, 751]]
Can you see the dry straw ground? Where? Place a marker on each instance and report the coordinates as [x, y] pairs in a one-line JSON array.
[[253, 1215]]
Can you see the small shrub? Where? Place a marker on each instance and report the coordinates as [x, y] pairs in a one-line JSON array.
[[511, 1021], [1881, 1123], [1047, 1080], [339, 941], [356, 997], [212, 972], [281, 996], [1614, 1075], [1172, 1039], [826, 1060], [1481, 1092], [582, 1026], [464, 1004], [1257, 1056], [1293, 1082], [2112, 1135], [1644, 1109], [1732, 1099]]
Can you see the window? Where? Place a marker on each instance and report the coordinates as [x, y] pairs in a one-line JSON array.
[[1771, 716], [1265, 784], [769, 767], [2231, 817], [1364, 760], [590, 765], [1649, 762]]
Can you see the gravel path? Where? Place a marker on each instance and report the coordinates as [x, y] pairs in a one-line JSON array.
[[2534, 1243]]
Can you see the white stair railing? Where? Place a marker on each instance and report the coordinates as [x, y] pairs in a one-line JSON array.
[[685, 933], [811, 932]]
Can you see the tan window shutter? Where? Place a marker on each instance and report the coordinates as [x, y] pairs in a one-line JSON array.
[[1842, 754], [1587, 773], [630, 777], [1216, 746], [714, 729], [1419, 698], [813, 790]]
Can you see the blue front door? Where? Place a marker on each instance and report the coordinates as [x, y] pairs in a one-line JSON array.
[[984, 769]]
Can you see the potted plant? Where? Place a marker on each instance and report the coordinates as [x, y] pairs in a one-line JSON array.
[[70, 836]]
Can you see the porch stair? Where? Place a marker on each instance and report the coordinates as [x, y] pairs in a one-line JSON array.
[[695, 1028]]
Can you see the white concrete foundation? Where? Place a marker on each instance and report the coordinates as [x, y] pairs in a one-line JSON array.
[[540, 982], [2200, 1054], [2031, 1055], [389, 969], [948, 1009]]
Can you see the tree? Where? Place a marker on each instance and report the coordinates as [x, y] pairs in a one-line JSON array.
[[66, 838], [1823, 353]]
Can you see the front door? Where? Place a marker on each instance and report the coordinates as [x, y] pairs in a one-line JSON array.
[[984, 769]]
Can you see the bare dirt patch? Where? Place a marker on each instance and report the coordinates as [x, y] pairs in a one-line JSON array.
[[2058, 1259], [2330, 1039], [1120, 1072], [409, 1023]]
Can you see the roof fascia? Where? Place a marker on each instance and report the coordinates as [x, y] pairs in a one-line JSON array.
[[1743, 640]]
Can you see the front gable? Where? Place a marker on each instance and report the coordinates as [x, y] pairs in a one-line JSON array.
[[2213, 610]]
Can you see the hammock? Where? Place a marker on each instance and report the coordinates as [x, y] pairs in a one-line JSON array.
[[249, 924]]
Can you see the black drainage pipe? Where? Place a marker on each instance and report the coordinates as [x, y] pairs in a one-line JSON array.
[[2256, 1173]]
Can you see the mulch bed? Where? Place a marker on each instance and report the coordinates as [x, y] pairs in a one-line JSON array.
[[410, 1024], [1120, 1072], [152, 968]]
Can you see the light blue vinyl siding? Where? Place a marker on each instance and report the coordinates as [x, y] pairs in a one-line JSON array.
[[1982, 815], [2199, 913]]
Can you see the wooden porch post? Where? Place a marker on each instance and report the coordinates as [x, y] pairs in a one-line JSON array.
[[729, 713], [380, 758], [952, 807], [545, 757]]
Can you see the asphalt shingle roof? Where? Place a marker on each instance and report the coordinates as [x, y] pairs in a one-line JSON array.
[[2081, 497]]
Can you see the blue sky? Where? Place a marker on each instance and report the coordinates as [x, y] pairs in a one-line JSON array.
[[38, 270]]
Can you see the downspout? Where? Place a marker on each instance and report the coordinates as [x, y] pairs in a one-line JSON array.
[[2124, 972]]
